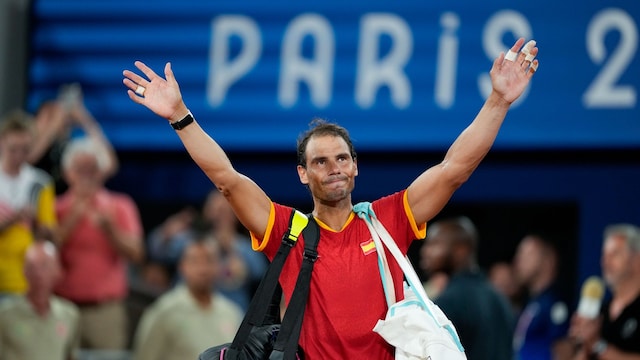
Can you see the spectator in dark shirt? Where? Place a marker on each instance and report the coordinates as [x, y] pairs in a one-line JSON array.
[[483, 318], [615, 334]]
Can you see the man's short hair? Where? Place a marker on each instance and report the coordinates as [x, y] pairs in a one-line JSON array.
[[463, 230], [16, 121], [321, 127], [85, 146], [629, 232]]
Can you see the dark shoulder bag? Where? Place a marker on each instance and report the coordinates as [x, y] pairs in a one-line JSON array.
[[261, 336]]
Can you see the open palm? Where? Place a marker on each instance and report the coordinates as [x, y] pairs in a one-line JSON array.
[[160, 95], [510, 77]]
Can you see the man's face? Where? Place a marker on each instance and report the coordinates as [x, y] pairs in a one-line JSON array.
[[218, 211], [84, 173], [199, 267], [616, 260], [501, 276], [436, 253], [527, 260], [14, 149], [42, 268], [331, 171]]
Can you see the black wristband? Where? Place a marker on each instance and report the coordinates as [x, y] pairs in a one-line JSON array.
[[183, 123]]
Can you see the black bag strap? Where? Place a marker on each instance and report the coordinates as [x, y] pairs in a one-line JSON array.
[[268, 291], [287, 343]]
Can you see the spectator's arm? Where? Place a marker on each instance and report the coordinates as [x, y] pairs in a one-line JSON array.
[[165, 243], [9, 217], [50, 123], [70, 220], [81, 115], [127, 243], [124, 229], [167, 250]]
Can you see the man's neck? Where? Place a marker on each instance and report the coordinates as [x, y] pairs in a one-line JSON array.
[[541, 283], [627, 291], [467, 266], [10, 170], [623, 295], [333, 215], [202, 298], [83, 193]]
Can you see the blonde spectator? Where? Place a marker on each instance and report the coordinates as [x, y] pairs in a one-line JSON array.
[[26, 201]]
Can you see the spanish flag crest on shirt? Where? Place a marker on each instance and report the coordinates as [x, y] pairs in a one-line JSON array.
[[368, 246]]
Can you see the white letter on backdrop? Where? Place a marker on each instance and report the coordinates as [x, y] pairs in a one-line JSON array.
[[373, 72], [502, 22], [225, 71], [447, 66], [317, 71]]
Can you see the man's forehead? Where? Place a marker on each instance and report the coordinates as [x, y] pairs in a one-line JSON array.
[[85, 158], [325, 145], [615, 241], [17, 136]]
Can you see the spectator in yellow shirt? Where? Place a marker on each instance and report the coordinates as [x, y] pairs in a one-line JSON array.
[[26, 201]]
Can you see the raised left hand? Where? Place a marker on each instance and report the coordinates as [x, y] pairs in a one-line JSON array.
[[512, 72]]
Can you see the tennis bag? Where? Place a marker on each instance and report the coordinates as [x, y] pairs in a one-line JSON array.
[[261, 336], [415, 326]]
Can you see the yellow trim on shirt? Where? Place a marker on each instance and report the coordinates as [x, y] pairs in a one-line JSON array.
[[326, 227], [419, 231], [257, 244]]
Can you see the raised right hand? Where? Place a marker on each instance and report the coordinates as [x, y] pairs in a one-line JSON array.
[[162, 96]]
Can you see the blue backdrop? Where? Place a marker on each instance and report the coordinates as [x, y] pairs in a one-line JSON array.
[[400, 75]]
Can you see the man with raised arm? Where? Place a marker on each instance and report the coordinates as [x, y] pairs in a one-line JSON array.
[[346, 298]]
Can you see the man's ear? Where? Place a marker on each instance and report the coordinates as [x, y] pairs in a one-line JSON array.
[[302, 174], [355, 164]]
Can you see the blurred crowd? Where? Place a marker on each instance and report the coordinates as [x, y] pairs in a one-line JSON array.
[[78, 275], [80, 278], [519, 309]]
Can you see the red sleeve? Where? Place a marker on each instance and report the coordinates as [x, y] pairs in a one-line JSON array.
[[278, 224], [396, 216]]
